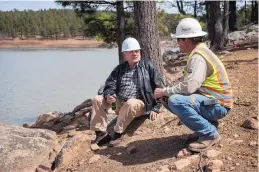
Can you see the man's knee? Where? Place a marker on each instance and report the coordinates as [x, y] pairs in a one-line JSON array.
[[135, 105], [131, 103], [175, 100], [176, 103]]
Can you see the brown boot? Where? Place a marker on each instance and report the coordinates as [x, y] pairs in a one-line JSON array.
[[204, 143]]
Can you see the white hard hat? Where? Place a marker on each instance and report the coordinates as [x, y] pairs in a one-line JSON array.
[[188, 28], [130, 44]]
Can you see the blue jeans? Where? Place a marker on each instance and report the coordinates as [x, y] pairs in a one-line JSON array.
[[195, 115]]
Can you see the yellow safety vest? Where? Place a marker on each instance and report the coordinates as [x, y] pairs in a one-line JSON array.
[[216, 85]]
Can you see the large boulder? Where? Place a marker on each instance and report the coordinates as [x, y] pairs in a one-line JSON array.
[[171, 54], [75, 149], [237, 35], [24, 150]]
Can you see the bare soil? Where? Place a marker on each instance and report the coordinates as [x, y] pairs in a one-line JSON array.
[[158, 146]]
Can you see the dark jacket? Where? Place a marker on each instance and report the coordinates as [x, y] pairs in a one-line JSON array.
[[149, 80]]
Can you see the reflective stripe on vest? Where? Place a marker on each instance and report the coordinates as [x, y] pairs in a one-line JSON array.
[[217, 85]]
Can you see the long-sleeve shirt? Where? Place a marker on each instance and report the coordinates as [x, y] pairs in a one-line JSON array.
[[197, 70]]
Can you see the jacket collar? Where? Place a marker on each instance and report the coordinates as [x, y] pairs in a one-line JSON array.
[[139, 64]]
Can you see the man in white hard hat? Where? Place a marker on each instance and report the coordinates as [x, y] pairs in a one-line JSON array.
[[204, 94], [131, 86]]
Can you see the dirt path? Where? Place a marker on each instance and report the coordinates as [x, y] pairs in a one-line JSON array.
[[157, 147]]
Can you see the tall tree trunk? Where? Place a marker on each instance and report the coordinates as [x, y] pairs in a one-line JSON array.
[[209, 21], [21, 33], [180, 7], [195, 9], [232, 16], [147, 32], [120, 27], [225, 22], [254, 13], [215, 25], [245, 14]]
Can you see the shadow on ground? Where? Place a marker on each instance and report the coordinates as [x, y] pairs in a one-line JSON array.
[[149, 150]]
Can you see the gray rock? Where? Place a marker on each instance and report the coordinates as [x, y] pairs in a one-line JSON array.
[[23, 149], [212, 153], [251, 123], [180, 164], [171, 54], [253, 28], [94, 159], [249, 34], [237, 35], [214, 166], [131, 149], [184, 152]]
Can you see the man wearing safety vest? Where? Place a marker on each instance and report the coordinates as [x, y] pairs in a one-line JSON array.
[[204, 94]]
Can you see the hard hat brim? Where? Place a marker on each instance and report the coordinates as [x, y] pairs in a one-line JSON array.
[[130, 49], [190, 35]]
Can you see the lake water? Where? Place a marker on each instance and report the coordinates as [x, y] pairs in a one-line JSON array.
[[33, 82]]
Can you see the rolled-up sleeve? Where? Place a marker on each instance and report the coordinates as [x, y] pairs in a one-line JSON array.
[[196, 74]]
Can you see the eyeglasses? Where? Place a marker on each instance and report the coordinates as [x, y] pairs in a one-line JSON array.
[[179, 39]]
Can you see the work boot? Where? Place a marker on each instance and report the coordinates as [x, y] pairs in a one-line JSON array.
[[116, 139], [204, 143], [102, 137], [192, 138]]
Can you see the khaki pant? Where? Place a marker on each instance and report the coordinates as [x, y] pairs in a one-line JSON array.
[[126, 111]]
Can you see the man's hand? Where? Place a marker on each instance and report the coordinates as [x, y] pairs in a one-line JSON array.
[[111, 99], [153, 116], [159, 93]]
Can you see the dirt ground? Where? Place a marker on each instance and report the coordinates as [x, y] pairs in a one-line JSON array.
[[157, 147], [70, 43]]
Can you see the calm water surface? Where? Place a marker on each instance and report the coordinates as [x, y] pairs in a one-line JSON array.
[[33, 82]]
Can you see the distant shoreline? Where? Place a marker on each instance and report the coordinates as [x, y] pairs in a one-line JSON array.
[[70, 43]]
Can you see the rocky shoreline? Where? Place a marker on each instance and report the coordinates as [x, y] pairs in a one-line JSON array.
[[49, 44]]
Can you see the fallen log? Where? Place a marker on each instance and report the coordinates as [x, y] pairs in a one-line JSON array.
[[241, 47]]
